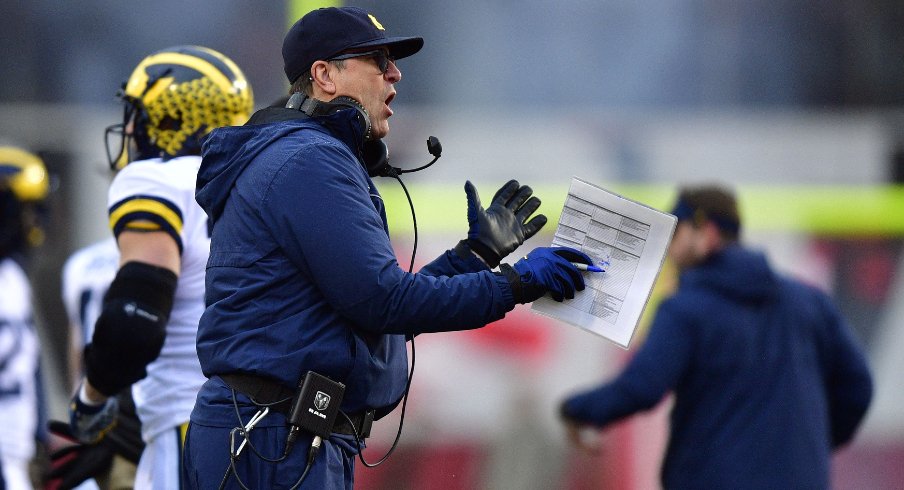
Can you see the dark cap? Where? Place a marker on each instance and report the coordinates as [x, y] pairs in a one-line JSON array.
[[709, 203], [326, 32]]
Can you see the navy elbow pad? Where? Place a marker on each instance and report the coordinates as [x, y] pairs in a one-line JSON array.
[[130, 331]]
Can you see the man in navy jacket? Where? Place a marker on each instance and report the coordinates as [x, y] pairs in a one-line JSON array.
[[302, 276], [767, 376]]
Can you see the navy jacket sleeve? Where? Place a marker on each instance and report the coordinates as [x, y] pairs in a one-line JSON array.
[[849, 385], [325, 217], [655, 369], [452, 262]]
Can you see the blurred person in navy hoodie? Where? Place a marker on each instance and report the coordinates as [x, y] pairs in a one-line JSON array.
[[768, 377]]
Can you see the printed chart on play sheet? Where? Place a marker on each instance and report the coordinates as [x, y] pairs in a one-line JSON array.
[[632, 237]]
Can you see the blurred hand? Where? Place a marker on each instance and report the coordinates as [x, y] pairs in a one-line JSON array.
[[75, 462], [586, 438], [89, 423], [546, 270], [496, 232]]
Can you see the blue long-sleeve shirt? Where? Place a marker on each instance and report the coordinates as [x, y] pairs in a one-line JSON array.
[[767, 378]]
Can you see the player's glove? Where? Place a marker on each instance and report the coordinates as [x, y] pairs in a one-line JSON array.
[[495, 232], [75, 462], [546, 270], [90, 423]]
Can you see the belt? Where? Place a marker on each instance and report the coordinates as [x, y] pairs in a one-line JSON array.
[[266, 392]]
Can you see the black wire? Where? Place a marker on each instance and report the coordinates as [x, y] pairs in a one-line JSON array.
[[241, 428], [416, 169], [401, 420], [231, 470], [312, 452], [413, 220], [411, 371], [304, 474]]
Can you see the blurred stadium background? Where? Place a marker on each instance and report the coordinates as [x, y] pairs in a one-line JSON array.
[[796, 103]]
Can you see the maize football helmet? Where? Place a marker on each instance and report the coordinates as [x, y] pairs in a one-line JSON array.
[[172, 99], [24, 184]]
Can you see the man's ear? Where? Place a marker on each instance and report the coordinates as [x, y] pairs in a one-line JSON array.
[[712, 236], [322, 78]]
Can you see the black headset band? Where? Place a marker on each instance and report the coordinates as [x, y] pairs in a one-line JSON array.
[[315, 107]]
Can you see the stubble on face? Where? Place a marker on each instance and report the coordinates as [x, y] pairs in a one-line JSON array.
[[362, 81]]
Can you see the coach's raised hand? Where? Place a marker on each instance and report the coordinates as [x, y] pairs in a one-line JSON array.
[[497, 231]]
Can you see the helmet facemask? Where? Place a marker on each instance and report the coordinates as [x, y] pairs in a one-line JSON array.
[[120, 139]]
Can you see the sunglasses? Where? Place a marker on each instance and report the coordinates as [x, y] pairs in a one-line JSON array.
[[381, 57]]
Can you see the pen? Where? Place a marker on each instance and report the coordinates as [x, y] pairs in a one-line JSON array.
[[588, 268]]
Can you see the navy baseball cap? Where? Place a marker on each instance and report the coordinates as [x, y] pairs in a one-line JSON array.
[[685, 211], [324, 33]]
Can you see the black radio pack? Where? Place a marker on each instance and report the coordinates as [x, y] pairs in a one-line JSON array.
[[316, 405]]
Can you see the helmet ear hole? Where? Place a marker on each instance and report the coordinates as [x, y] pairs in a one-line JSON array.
[[169, 123]]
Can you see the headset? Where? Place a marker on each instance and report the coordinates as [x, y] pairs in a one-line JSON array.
[[374, 151], [376, 158]]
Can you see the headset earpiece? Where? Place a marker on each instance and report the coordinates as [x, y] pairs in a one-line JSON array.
[[374, 152], [363, 116], [314, 107], [376, 159]]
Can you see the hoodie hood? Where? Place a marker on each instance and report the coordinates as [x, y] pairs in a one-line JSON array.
[[742, 275], [227, 151]]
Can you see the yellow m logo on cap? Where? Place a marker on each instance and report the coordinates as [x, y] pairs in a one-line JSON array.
[[376, 22]]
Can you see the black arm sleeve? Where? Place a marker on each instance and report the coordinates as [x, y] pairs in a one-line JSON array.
[[131, 329]]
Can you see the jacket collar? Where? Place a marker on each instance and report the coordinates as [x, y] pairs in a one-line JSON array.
[[342, 124]]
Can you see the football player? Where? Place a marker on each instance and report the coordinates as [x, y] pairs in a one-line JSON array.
[[145, 334], [24, 185]]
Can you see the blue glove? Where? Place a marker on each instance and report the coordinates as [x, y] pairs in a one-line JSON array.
[[495, 232], [546, 270], [90, 423]]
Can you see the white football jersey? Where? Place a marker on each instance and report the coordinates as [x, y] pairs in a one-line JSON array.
[[87, 275], [19, 354], [157, 195]]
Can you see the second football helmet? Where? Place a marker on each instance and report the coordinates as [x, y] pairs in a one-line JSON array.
[[24, 184], [173, 98]]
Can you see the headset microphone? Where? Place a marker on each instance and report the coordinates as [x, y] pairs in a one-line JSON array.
[[376, 156], [435, 149], [434, 146]]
